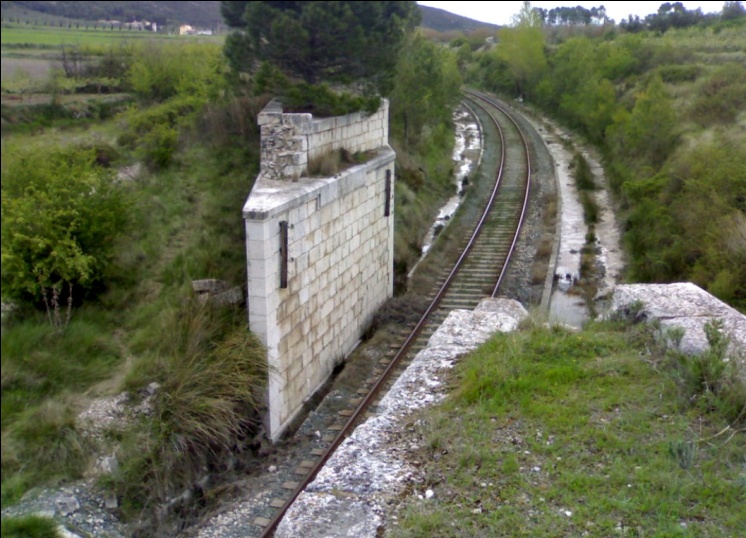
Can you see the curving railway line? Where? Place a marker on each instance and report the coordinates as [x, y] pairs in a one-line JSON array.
[[478, 272]]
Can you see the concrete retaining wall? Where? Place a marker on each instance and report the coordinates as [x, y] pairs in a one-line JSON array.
[[339, 268]]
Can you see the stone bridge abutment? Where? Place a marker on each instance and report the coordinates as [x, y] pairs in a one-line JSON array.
[[319, 249]]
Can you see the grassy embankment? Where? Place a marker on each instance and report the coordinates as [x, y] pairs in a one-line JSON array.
[[550, 432], [138, 324]]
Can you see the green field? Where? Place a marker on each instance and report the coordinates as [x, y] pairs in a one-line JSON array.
[[47, 36]]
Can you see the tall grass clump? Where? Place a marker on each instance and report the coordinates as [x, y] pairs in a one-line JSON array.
[[29, 527], [210, 369], [42, 445]]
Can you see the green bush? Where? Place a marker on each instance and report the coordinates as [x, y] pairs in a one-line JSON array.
[[60, 215], [722, 96], [582, 173], [161, 71], [158, 146], [322, 101]]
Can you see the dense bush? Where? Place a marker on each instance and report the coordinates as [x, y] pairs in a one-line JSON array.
[[161, 71], [60, 215]]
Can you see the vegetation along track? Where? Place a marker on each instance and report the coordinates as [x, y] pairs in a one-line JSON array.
[[479, 271]]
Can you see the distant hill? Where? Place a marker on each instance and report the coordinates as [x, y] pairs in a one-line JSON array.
[[443, 21], [202, 14]]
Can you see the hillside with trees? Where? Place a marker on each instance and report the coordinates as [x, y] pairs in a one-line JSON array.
[[665, 103]]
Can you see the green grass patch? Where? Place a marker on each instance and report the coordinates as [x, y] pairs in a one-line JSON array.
[[555, 433], [39, 361]]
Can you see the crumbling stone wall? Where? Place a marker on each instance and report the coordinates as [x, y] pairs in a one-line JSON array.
[[290, 141]]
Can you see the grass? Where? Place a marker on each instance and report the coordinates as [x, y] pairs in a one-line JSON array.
[[196, 421], [29, 527], [550, 432]]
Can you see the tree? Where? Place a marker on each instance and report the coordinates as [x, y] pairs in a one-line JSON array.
[[336, 42], [733, 10], [428, 86], [522, 49]]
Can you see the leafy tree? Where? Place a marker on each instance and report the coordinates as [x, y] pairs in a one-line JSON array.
[[522, 49], [427, 88], [60, 214], [733, 10], [336, 42]]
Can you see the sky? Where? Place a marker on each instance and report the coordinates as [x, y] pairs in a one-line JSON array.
[[502, 12]]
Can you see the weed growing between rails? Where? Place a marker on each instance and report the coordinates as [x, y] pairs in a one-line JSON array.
[[551, 432]]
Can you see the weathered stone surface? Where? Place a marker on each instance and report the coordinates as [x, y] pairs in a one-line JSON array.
[[349, 495], [66, 504], [683, 305], [470, 329], [109, 464], [331, 515]]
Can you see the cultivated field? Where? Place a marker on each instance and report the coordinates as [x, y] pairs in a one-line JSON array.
[[52, 37]]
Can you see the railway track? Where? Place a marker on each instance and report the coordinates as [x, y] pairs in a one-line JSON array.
[[478, 272]]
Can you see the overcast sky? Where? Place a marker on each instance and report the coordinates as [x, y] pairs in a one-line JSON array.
[[501, 12]]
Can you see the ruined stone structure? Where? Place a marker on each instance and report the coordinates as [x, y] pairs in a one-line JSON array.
[[319, 250]]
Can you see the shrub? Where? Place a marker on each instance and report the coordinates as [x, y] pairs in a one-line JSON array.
[[322, 101], [158, 146], [160, 71], [722, 96], [60, 215], [582, 173]]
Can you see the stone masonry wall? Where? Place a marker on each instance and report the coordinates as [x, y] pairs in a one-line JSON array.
[[339, 272], [290, 141]]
